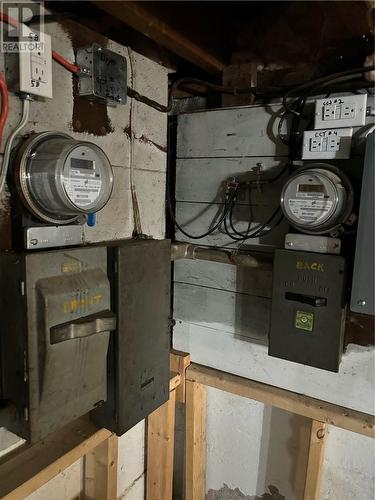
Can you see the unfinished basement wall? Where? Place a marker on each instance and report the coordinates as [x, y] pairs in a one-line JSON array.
[[222, 320], [111, 129]]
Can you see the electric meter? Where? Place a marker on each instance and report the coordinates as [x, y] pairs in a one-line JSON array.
[[317, 199], [60, 179]]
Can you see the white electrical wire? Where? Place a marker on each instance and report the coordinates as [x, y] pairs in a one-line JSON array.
[[133, 191], [9, 143]]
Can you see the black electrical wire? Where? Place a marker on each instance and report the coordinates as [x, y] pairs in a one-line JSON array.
[[226, 209], [260, 231], [318, 83], [145, 100]]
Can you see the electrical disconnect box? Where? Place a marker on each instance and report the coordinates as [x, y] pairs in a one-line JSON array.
[[343, 111], [138, 359], [56, 323], [103, 75], [307, 317], [363, 287]]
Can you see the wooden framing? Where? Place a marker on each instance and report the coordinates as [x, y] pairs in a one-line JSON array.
[[315, 460], [28, 468], [321, 414], [25, 470]]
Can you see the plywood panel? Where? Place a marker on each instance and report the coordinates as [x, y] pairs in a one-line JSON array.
[[245, 131], [204, 179], [224, 277], [244, 316], [196, 218]]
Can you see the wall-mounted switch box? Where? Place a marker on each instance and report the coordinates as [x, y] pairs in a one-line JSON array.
[[327, 144], [103, 75], [345, 111], [35, 67]]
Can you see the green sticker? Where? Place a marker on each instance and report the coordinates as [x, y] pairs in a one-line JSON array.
[[304, 320]]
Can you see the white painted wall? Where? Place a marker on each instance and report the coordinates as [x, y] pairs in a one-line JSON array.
[[115, 220], [220, 311]]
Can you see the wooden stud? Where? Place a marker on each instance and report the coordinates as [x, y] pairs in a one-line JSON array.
[[315, 460], [100, 471], [174, 381], [195, 447], [160, 449], [332, 414], [179, 361], [33, 466]]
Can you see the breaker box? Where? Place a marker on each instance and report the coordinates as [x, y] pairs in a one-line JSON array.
[[138, 358], [308, 308], [56, 320]]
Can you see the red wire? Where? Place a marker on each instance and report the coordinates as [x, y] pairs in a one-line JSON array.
[[4, 105], [73, 68]]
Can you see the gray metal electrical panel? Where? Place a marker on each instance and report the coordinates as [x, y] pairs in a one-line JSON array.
[[363, 287], [55, 328], [307, 317], [138, 358]]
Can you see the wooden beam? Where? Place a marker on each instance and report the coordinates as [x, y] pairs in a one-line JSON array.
[[315, 460], [195, 446], [179, 362], [33, 466], [138, 16], [160, 450], [332, 414], [100, 471]]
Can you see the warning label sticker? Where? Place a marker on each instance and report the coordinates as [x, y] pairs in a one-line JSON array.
[[82, 187], [308, 209], [304, 321]]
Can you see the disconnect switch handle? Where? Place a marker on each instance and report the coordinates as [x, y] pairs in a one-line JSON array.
[[84, 327], [311, 300]]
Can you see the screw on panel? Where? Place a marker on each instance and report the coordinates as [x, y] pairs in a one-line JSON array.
[[361, 302]]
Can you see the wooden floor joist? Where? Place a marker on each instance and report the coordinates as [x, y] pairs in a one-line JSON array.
[[332, 414]]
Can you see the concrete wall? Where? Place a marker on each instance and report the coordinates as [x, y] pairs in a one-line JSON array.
[[222, 320], [149, 130]]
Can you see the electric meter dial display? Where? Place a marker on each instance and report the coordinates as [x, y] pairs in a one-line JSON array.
[[317, 199], [59, 178]]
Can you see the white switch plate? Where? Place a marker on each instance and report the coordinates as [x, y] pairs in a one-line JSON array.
[[36, 68], [327, 144], [344, 111]]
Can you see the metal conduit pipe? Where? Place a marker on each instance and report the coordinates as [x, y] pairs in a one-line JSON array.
[[190, 251]]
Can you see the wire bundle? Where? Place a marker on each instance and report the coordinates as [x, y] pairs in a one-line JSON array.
[[225, 220], [302, 92]]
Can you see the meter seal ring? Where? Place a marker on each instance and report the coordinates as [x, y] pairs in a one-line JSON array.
[[346, 212], [22, 157]]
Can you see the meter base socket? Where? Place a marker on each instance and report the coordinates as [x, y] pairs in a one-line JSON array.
[[103, 75], [60, 179], [317, 199]]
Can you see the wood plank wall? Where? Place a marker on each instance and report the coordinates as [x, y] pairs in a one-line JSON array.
[[213, 146]]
